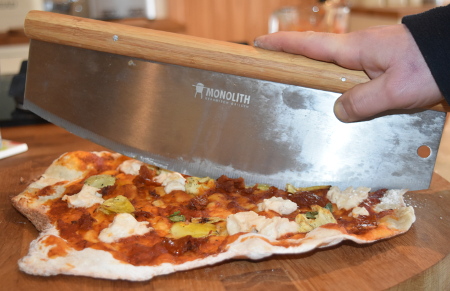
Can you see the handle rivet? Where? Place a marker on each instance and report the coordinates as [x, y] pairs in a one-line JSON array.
[[115, 37], [343, 79]]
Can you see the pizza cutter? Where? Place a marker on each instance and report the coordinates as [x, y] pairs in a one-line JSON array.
[[209, 108]]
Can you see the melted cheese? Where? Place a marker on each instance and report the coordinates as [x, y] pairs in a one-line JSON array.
[[87, 197], [278, 204], [130, 167], [124, 225], [357, 211], [171, 181], [44, 181], [252, 222], [349, 198], [392, 199], [63, 173]]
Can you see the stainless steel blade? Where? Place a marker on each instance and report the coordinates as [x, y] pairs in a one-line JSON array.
[[205, 123]]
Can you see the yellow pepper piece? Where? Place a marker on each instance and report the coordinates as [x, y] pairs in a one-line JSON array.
[[197, 230]]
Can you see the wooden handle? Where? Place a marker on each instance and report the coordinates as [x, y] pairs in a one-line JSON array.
[[195, 52], [441, 106], [190, 51]]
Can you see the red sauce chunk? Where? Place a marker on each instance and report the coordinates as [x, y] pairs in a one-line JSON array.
[[306, 199]]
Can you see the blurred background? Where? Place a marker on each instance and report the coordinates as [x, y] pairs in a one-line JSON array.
[[237, 21]]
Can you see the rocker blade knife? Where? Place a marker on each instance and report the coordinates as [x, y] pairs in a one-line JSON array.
[[207, 108]]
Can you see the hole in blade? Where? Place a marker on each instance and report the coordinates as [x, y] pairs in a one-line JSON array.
[[424, 151]]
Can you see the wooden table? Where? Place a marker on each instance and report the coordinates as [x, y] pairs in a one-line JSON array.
[[417, 260]]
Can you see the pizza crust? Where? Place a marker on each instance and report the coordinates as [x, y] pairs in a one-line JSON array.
[[406, 218], [101, 264]]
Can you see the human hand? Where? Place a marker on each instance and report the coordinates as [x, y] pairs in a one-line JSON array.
[[400, 77]]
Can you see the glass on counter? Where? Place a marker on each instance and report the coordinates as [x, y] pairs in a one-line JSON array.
[[311, 15]]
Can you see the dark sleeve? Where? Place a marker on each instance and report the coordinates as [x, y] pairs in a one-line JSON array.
[[431, 31]]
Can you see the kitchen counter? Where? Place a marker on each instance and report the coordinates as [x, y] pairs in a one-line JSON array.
[[417, 260]]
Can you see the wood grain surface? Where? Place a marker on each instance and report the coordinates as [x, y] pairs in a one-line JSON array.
[[417, 260]]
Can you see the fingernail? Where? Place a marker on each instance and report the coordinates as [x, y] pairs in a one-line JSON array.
[[340, 112], [256, 42]]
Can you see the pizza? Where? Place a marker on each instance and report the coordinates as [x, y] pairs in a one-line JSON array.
[[105, 215]]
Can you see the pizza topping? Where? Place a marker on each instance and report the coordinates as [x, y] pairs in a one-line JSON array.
[[277, 227], [195, 185], [198, 202], [304, 199], [85, 222], [178, 247], [349, 198], [250, 221], [87, 197], [119, 204], [57, 247], [196, 230], [311, 214], [124, 225], [357, 211], [243, 222], [130, 167], [206, 219], [100, 181], [230, 185], [291, 189], [62, 173], [176, 217], [317, 217], [278, 204], [57, 192], [171, 181], [159, 204], [263, 187], [44, 181], [392, 199]]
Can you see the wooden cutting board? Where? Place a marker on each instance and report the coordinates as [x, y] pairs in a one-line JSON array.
[[417, 260]]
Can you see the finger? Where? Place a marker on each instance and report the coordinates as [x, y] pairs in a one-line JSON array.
[[404, 86], [328, 47], [368, 99]]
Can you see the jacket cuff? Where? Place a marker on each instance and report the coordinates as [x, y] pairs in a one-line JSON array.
[[431, 31]]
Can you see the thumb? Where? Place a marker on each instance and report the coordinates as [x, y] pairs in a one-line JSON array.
[[364, 100]]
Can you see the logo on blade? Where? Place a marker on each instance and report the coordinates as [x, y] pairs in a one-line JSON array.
[[199, 89], [221, 96]]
